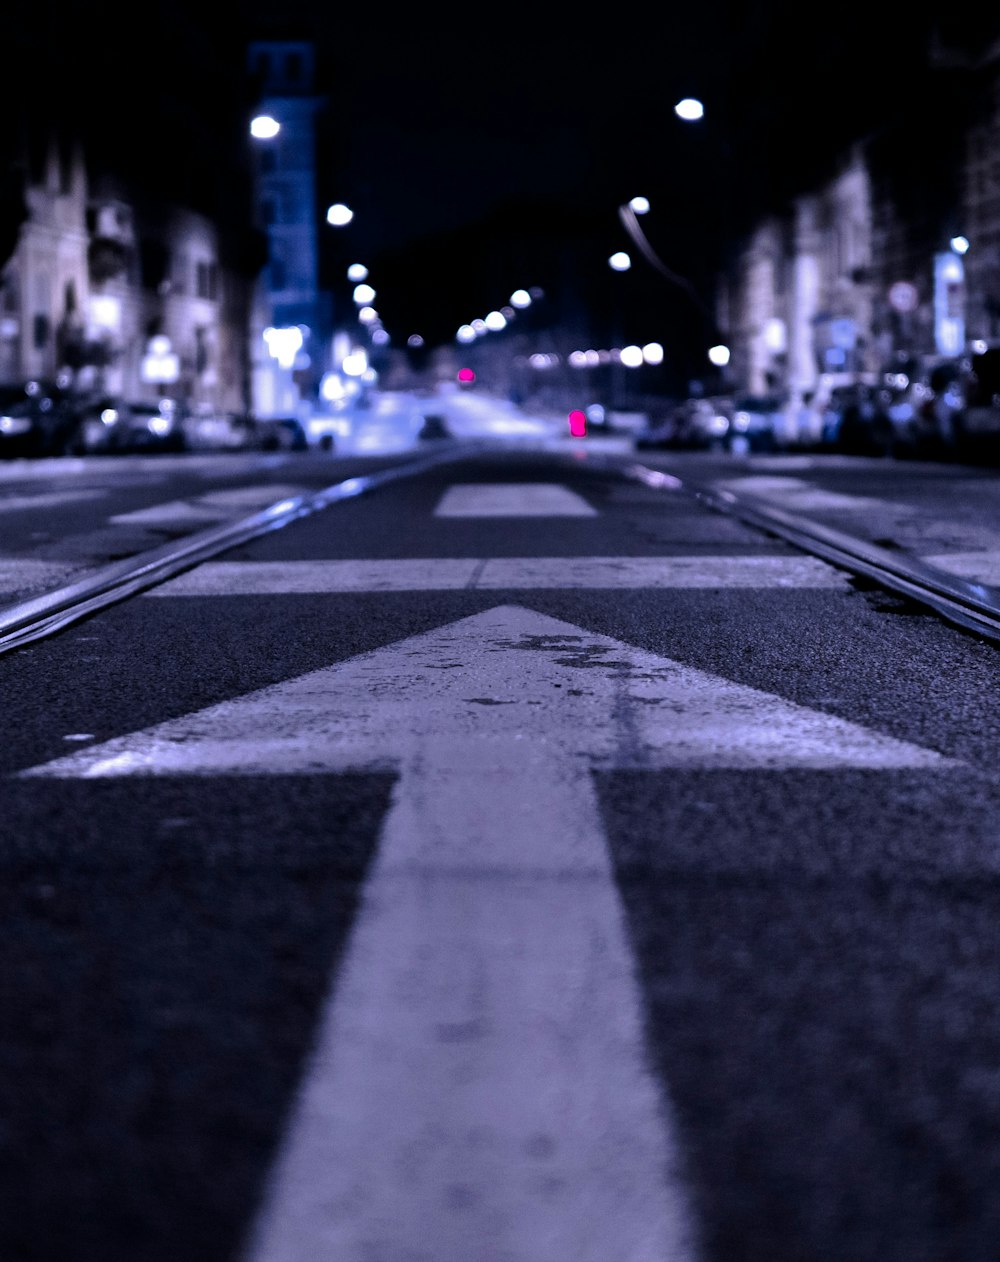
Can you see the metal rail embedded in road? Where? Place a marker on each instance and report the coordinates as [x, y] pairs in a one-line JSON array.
[[44, 615], [972, 606]]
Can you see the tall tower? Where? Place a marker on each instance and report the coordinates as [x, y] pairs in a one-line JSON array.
[[286, 376]]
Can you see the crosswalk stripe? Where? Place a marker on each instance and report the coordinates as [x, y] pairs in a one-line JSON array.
[[214, 506], [268, 578], [512, 499]]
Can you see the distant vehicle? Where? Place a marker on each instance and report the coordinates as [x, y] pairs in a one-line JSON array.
[[756, 422], [35, 420], [95, 425], [211, 429], [146, 425], [434, 427], [279, 433], [694, 424]]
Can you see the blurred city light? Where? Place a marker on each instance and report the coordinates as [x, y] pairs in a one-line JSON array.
[[689, 109], [466, 374], [367, 315], [495, 321], [380, 337], [283, 344], [414, 341], [640, 205], [719, 356], [357, 271], [339, 214], [620, 261], [520, 298], [960, 244], [364, 293], [355, 364], [652, 353], [466, 333], [631, 356], [578, 423], [264, 127]]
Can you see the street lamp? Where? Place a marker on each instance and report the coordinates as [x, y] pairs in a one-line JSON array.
[[338, 215], [689, 109], [264, 127]]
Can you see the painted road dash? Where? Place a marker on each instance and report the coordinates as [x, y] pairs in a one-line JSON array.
[[512, 499]]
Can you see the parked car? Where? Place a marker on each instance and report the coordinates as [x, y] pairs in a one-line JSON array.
[[215, 429], [36, 419], [280, 433], [95, 425], [118, 426], [978, 418]]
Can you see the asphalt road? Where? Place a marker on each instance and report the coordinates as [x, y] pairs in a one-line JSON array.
[[595, 878]]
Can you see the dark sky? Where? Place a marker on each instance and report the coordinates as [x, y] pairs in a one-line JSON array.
[[459, 133]]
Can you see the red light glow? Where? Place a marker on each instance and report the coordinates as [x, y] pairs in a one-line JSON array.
[[578, 423], [466, 374]]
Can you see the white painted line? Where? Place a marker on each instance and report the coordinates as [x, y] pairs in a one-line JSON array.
[[512, 499], [479, 1073], [793, 493], [48, 499], [214, 506], [24, 574], [262, 578], [982, 567]]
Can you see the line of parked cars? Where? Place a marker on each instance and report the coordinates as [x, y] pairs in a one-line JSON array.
[[951, 410], [40, 419]]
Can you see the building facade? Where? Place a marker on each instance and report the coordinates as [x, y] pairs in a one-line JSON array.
[[292, 323], [107, 290], [889, 265]]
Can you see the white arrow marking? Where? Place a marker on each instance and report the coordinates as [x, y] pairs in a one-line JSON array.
[[479, 1085], [266, 578], [512, 499]]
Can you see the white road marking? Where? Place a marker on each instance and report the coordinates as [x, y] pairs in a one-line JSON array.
[[479, 1074], [512, 499], [24, 574], [980, 567], [48, 499], [795, 494], [261, 578], [214, 506]]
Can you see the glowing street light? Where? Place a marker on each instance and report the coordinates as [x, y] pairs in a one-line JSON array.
[[264, 127], [640, 205], [689, 109], [960, 245], [357, 271], [620, 262], [520, 298], [719, 356], [364, 294], [339, 214]]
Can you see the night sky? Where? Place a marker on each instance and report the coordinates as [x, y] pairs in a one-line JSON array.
[[470, 140]]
